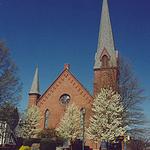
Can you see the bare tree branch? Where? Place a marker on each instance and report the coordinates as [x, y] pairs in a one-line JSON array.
[[132, 98], [10, 86]]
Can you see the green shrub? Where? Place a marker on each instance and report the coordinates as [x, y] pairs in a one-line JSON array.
[[27, 142], [47, 133], [51, 135], [47, 144]]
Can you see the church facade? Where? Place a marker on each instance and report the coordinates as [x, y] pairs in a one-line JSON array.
[[66, 89]]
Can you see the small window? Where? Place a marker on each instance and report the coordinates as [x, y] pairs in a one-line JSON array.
[[65, 99], [105, 61], [46, 119]]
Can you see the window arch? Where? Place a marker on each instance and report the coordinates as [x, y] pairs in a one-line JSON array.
[[46, 119], [105, 61]]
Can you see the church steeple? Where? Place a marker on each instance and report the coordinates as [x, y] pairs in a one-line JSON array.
[[106, 58], [105, 40], [34, 93], [35, 84]]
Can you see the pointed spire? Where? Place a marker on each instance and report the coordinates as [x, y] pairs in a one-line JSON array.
[[105, 35], [105, 40], [35, 84]]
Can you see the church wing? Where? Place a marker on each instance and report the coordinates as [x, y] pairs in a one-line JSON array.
[[66, 89]]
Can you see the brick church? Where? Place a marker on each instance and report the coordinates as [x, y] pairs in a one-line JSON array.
[[67, 89]]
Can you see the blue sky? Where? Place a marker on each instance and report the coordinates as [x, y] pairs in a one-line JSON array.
[[53, 32]]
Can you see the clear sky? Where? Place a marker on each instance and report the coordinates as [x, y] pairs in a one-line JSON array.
[[53, 32]]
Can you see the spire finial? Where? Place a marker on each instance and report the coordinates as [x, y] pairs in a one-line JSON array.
[[105, 40], [35, 84]]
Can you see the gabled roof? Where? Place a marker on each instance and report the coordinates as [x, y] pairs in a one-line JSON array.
[[72, 79], [104, 52]]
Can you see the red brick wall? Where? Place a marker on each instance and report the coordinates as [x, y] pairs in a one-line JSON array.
[[104, 78], [33, 99], [65, 84]]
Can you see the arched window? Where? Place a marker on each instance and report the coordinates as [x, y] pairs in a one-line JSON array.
[[46, 118], [105, 61]]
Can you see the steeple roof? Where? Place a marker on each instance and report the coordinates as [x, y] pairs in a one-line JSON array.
[[105, 40], [35, 84]]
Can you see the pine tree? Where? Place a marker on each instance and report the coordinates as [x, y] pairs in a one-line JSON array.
[[29, 124], [106, 122], [69, 127]]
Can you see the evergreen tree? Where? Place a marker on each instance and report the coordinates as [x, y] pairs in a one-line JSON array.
[[69, 127], [28, 127], [106, 122]]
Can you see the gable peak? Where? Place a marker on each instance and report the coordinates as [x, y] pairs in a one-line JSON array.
[[66, 66]]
